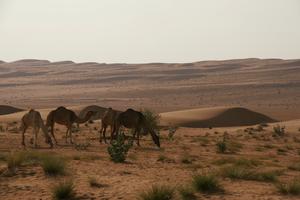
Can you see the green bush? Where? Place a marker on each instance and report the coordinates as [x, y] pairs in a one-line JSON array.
[[64, 190], [119, 148], [152, 119], [158, 192], [206, 183]]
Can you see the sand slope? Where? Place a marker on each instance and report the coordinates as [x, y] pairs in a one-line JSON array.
[[4, 109], [214, 117]]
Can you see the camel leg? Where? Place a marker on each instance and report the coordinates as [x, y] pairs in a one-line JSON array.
[[23, 135], [103, 133], [100, 134], [36, 131], [138, 130], [70, 134], [67, 135], [52, 133]]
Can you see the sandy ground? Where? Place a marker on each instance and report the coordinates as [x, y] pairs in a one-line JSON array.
[[143, 168]]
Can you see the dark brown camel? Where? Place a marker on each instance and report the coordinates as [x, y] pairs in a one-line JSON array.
[[66, 117], [135, 120], [108, 119]]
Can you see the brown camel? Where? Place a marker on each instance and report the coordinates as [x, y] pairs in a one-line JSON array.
[[64, 116], [108, 119], [134, 119], [33, 119]]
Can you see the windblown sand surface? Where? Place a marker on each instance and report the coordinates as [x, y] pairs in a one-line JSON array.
[[269, 86]]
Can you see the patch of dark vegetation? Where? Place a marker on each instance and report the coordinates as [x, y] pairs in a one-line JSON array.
[[158, 192], [290, 188], [207, 183]]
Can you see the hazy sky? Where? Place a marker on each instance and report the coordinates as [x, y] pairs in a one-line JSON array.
[[148, 30]]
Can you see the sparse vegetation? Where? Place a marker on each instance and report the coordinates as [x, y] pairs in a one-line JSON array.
[[246, 173], [158, 192], [64, 190], [152, 118], [119, 149], [291, 188], [15, 160], [187, 193], [206, 183], [279, 130], [295, 166], [53, 165], [163, 158], [94, 183], [222, 145]]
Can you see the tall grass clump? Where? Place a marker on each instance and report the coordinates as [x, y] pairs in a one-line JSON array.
[[64, 190], [53, 165], [15, 160], [279, 130], [187, 193], [291, 188], [206, 183], [158, 192]]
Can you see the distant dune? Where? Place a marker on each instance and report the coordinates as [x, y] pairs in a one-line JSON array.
[[4, 109], [214, 117]]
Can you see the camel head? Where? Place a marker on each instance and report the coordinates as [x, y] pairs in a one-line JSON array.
[[49, 141]]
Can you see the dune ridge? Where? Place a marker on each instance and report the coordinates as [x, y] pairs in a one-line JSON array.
[[214, 117], [5, 109]]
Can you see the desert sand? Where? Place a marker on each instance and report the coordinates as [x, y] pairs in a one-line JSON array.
[[206, 100]]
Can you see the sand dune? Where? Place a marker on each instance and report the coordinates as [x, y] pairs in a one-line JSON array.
[[214, 117], [4, 109]]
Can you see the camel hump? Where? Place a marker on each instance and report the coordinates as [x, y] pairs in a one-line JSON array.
[[61, 108], [130, 110]]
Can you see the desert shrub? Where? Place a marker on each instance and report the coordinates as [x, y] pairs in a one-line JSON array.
[[172, 130], [119, 148], [238, 162], [163, 158], [94, 183], [186, 159], [281, 151], [158, 192], [206, 183], [279, 130], [152, 118], [291, 188], [64, 190], [15, 160], [222, 146], [53, 165], [245, 173], [187, 193], [295, 166]]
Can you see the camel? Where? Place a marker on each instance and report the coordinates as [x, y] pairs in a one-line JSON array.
[[108, 119], [33, 119], [64, 116], [134, 119]]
